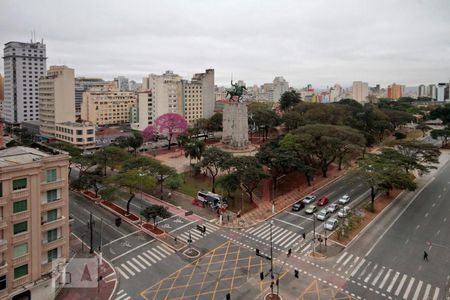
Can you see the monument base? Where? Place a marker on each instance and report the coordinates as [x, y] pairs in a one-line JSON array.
[[235, 126]]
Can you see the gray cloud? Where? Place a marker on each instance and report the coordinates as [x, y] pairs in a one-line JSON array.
[[319, 42]]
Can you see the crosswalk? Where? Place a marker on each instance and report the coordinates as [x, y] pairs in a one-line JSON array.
[[122, 295], [385, 280], [196, 234], [281, 237], [143, 260]]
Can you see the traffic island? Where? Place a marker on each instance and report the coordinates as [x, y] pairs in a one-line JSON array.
[[191, 253], [272, 297]]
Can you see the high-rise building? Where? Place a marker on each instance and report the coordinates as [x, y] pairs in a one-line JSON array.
[[422, 91], [335, 93], [441, 92], [280, 85], [122, 83], [395, 91], [205, 81], [2, 90], [24, 64], [83, 84], [56, 99], [145, 111], [360, 91], [431, 91], [34, 245], [107, 107]]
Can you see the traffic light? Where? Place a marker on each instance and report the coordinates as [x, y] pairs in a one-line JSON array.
[[289, 252], [261, 275], [118, 222], [257, 252], [296, 273], [228, 296], [304, 236]]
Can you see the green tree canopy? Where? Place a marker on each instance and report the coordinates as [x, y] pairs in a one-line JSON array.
[[289, 99], [153, 212], [215, 160], [250, 173]]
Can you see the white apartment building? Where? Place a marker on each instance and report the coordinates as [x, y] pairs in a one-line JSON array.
[[34, 223], [107, 107], [280, 85], [24, 64], [336, 93], [422, 91], [121, 83], [145, 112], [80, 135], [360, 91], [56, 99]]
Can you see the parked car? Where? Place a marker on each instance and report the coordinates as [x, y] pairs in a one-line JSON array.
[[343, 212], [332, 207], [298, 206], [310, 209], [309, 199], [323, 215], [330, 224], [323, 201], [344, 199]]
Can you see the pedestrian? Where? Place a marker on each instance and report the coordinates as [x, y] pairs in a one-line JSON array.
[[228, 218], [425, 256]]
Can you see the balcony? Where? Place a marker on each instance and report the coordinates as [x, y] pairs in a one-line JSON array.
[[20, 194], [21, 281], [21, 237], [3, 201], [21, 259], [45, 186], [21, 216], [46, 245], [3, 245], [51, 205], [3, 223], [46, 226]]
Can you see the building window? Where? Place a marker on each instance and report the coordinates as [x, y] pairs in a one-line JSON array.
[[90, 131], [19, 184], [20, 271], [52, 255], [79, 132], [20, 227], [52, 215], [20, 250], [19, 206], [52, 235], [52, 195], [2, 282], [51, 175], [1, 189]]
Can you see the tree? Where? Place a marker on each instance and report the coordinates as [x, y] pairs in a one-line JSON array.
[[174, 182], [162, 172], [134, 141], [93, 179], [265, 120], [441, 112], [170, 125], [110, 156], [194, 150], [202, 126], [229, 183], [383, 174], [73, 151], [132, 180], [443, 134], [289, 99], [424, 155], [292, 120], [423, 127], [215, 122], [149, 133], [398, 118], [153, 212], [84, 163], [250, 173], [213, 161]]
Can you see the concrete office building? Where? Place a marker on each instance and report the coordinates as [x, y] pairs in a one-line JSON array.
[[80, 135], [121, 83], [2, 88], [24, 64], [107, 107], [432, 91], [145, 111], [422, 91], [360, 91], [56, 99], [34, 228], [336, 93], [83, 84], [395, 91], [440, 93], [280, 85]]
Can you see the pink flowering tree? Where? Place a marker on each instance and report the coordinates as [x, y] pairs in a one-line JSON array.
[[149, 133], [170, 125]]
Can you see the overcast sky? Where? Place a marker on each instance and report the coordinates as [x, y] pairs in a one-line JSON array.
[[305, 41]]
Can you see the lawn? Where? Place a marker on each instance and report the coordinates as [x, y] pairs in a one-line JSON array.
[[193, 184]]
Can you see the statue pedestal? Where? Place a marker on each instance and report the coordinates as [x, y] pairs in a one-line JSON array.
[[235, 125]]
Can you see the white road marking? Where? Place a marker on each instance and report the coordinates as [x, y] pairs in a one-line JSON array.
[[427, 292], [416, 293], [357, 267], [144, 260], [408, 289], [139, 263], [385, 278], [393, 282], [418, 226], [290, 238], [377, 277], [352, 264], [371, 272], [341, 257], [122, 237], [129, 251], [149, 257], [290, 224], [399, 288], [256, 228], [125, 267], [181, 227], [365, 269], [164, 250], [153, 254], [123, 274], [436, 293], [133, 266]]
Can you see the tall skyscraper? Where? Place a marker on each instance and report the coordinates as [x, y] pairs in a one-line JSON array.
[[360, 91], [56, 99], [122, 83], [422, 91], [280, 85], [2, 91], [395, 91], [441, 92], [432, 91], [24, 64], [206, 81]]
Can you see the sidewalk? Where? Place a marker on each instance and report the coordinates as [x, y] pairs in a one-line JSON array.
[[106, 286]]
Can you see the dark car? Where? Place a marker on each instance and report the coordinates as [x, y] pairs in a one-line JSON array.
[[298, 206]]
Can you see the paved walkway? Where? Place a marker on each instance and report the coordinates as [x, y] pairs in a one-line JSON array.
[[106, 286]]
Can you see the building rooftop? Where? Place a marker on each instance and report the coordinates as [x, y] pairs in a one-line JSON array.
[[20, 155], [76, 124]]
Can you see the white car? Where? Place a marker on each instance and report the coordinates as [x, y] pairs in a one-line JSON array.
[[343, 212], [309, 199], [344, 199], [332, 207], [323, 215], [331, 224]]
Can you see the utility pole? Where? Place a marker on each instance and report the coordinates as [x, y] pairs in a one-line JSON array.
[[91, 230], [314, 233], [101, 241], [271, 251]]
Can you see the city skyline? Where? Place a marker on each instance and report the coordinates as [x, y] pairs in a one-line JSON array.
[[316, 43]]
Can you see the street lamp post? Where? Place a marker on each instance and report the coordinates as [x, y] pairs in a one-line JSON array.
[[271, 252], [314, 233]]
